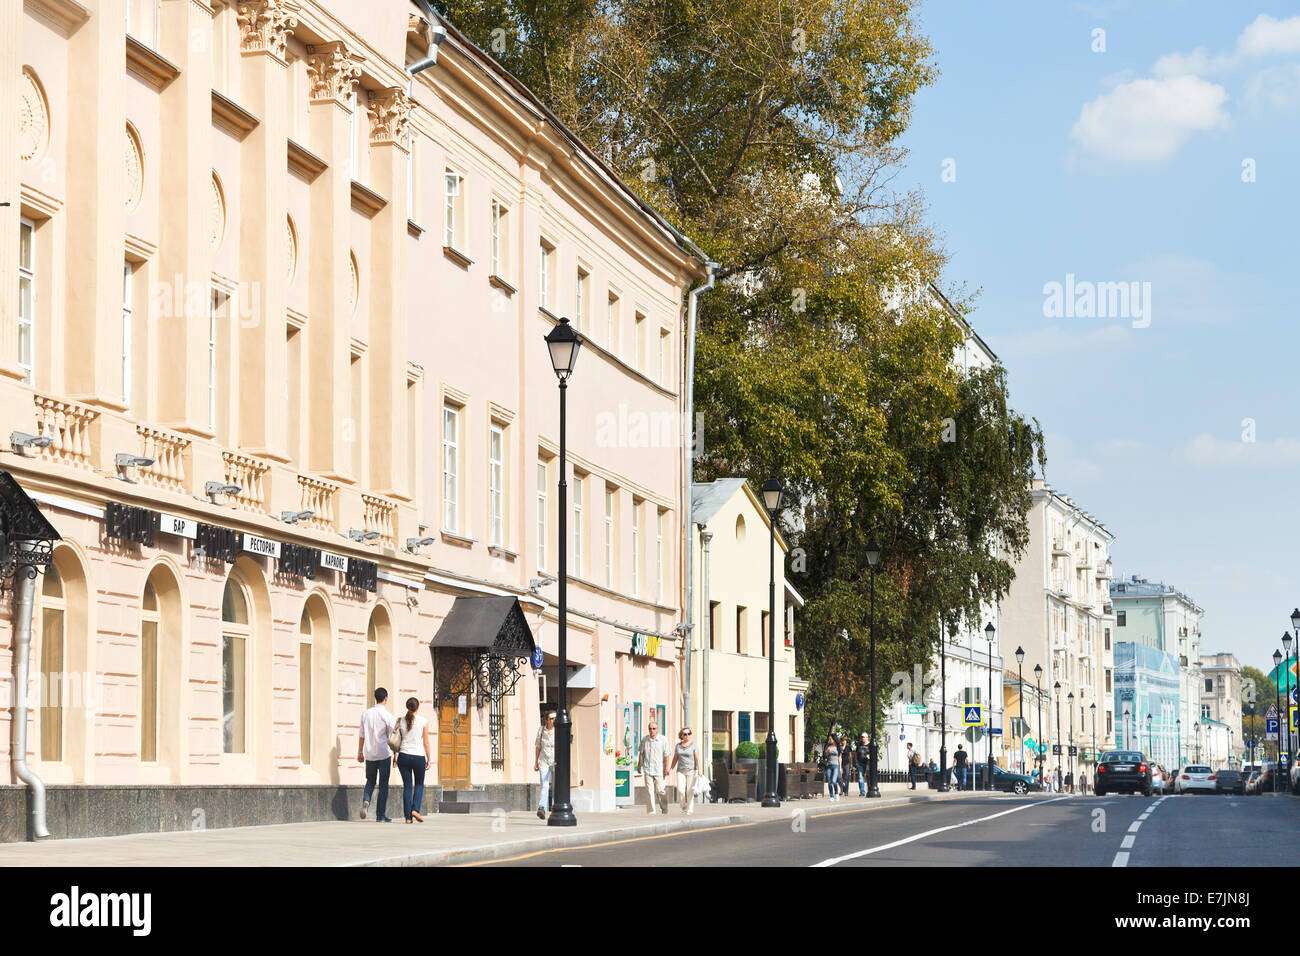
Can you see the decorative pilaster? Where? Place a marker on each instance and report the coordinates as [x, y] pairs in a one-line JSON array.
[[390, 110], [334, 72], [265, 25]]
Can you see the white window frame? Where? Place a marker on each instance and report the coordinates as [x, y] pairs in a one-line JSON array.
[[543, 482], [543, 274], [611, 322], [212, 360], [496, 480], [636, 547], [453, 187], [659, 556], [581, 294], [451, 468], [128, 275], [27, 273], [496, 238], [609, 537], [577, 524]]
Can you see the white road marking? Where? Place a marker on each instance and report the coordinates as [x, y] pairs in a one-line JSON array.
[[1128, 842], [1134, 827], [928, 833], [1121, 859]]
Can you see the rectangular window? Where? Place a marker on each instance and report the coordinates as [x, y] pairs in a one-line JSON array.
[[1119, 618], [1209, 685], [126, 334], [1107, 638], [744, 726], [496, 480], [740, 629], [453, 210], [661, 718], [52, 675], [721, 736], [499, 239], [577, 524], [26, 295], [636, 547], [760, 725], [659, 557], [545, 265], [450, 469], [766, 624], [1110, 725], [609, 537], [611, 324], [1108, 680], [148, 691], [580, 301], [541, 515], [715, 623], [232, 694]]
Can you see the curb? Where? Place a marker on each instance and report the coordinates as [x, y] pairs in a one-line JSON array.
[[562, 841]]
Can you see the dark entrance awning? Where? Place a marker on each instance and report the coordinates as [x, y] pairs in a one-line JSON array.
[[26, 536], [482, 645]]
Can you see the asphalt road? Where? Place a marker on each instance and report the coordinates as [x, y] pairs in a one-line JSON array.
[[997, 830]]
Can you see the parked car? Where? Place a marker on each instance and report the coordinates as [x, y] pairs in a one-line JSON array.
[[1124, 771], [1264, 784], [1229, 781], [1252, 781], [1158, 780], [1195, 778], [1007, 781]]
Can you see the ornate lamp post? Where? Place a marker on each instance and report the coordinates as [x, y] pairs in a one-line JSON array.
[[1277, 705], [873, 559], [1178, 730], [564, 344], [1095, 756], [1038, 757], [1284, 715], [989, 632], [1196, 727], [1057, 688], [1148, 736], [772, 502], [1069, 743], [1020, 692]]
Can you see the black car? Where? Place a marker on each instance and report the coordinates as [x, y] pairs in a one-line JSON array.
[[1123, 771], [1006, 780], [1267, 776], [1229, 781]]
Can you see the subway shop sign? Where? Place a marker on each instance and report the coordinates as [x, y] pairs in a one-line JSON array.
[[645, 645]]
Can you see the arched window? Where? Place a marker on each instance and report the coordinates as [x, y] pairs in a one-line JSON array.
[[380, 665], [234, 668], [372, 654], [53, 655], [304, 687], [316, 688], [150, 618]]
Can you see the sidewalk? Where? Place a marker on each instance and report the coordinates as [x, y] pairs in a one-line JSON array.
[[441, 840]]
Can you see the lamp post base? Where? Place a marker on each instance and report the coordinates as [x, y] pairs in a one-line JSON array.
[[562, 816], [873, 792]]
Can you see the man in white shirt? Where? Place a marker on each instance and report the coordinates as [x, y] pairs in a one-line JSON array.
[[653, 763], [373, 750], [544, 760]]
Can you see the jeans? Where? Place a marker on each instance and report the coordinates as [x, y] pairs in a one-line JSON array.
[[833, 777], [380, 769], [961, 778], [844, 778], [411, 766], [543, 795], [911, 775], [863, 770]]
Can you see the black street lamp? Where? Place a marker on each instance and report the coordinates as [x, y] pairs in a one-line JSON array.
[[1277, 706], [1057, 688], [943, 706], [1295, 624], [1039, 745], [1093, 708], [1284, 716], [873, 559], [772, 502], [1149, 751], [989, 632], [564, 344], [1069, 743], [1020, 692], [1178, 730]]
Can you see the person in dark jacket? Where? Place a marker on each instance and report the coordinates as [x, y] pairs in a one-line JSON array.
[[862, 760], [959, 760], [846, 764]]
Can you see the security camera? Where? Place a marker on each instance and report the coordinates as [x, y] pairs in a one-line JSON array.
[[414, 544], [357, 535], [541, 582], [214, 488], [124, 460], [293, 517], [21, 440]]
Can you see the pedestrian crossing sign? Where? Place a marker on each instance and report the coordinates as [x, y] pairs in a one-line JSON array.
[[971, 715], [1294, 711]]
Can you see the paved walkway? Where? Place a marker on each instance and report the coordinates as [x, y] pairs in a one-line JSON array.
[[443, 839]]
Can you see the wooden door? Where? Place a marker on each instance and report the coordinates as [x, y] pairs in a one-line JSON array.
[[453, 746]]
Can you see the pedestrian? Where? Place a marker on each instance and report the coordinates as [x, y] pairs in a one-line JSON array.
[[910, 758], [544, 761], [374, 752], [1083, 783], [862, 756], [846, 762], [413, 759], [959, 766], [1056, 784], [652, 763], [831, 754], [686, 761], [1069, 782]]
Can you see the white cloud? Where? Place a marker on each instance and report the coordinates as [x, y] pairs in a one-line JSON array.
[[1276, 88], [1196, 63], [1147, 120], [1207, 450], [1266, 36]]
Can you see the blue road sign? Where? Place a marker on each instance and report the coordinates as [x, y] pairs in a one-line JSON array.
[[1270, 726], [970, 715], [1295, 695], [537, 658], [1294, 711]]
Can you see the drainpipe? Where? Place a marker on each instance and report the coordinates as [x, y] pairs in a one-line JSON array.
[[24, 586], [688, 443], [437, 33], [706, 719]]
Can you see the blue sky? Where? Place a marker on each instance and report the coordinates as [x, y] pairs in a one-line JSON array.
[[1127, 166]]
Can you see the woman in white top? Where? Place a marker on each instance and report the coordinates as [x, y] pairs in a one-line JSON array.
[[413, 759]]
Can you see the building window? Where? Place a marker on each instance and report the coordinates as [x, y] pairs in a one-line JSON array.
[[304, 687], [126, 334], [744, 726], [580, 301], [1107, 638], [1209, 685], [53, 657], [636, 547], [541, 515], [715, 623], [450, 468], [741, 613], [1108, 680], [234, 644], [609, 536], [1205, 712], [372, 655], [577, 524], [497, 732], [659, 556], [1119, 618], [766, 625], [721, 736], [501, 244], [545, 270], [1110, 725], [26, 295], [453, 210], [638, 342], [760, 724], [496, 481], [611, 324], [149, 623]]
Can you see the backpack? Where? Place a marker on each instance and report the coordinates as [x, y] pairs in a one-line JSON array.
[[916, 759]]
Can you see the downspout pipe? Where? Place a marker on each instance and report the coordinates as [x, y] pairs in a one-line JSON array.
[[437, 33], [706, 718], [24, 587], [688, 445]]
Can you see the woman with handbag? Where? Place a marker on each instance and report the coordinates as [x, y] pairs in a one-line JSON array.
[[831, 754], [413, 758]]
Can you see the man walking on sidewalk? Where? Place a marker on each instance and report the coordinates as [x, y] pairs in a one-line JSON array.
[[959, 766], [544, 760], [862, 755], [373, 750], [913, 763], [653, 765]]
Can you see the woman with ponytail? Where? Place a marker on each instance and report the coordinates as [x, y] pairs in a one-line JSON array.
[[413, 759]]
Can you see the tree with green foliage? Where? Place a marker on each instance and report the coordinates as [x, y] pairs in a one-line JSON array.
[[768, 134], [1258, 693]]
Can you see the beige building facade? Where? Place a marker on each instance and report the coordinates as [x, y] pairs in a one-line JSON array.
[[242, 242]]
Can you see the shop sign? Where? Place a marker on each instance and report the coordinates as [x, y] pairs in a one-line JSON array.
[[299, 559], [129, 523], [181, 527], [645, 645], [334, 562], [363, 574], [264, 546], [221, 543]]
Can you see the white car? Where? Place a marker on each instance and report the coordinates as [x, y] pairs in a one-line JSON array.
[[1158, 780], [1195, 777]]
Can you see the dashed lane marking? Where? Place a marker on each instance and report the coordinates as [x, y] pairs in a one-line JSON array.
[[1121, 859], [1128, 842]]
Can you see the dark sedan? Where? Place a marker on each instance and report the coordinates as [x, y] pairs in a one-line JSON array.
[[1007, 781], [1229, 781], [1123, 771]]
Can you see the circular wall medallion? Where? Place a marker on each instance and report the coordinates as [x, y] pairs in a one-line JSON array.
[[355, 291], [216, 213], [291, 248], [134, 168], [33, 118]]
